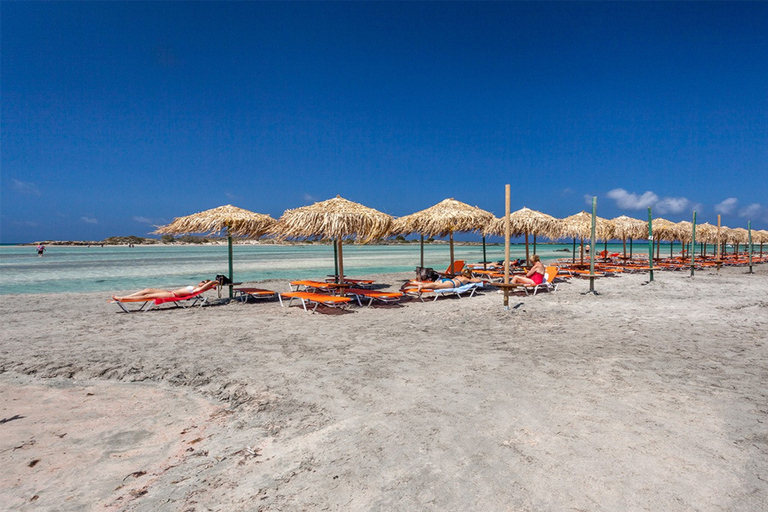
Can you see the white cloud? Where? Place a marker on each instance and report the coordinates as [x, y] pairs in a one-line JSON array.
[[148, 221], [632, 201], [310, 198], [231, 196], [89, 220], [727, 206], [751, 211], [662, 205], [25, 187], [672, 205]]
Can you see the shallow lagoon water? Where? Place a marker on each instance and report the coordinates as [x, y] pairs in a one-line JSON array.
[[117, 268]]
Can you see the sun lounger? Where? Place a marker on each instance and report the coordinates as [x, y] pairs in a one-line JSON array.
[[308, 285], [185, 301], [360, 283], [453, 270], [550, 273], [469, 288], [371, 295], [331, 301], [243, 294]]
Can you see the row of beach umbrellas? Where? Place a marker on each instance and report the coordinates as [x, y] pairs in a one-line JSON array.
[[339, 219]]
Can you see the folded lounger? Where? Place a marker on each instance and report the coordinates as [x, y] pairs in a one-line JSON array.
[[256, 293], [331, 301], [371, 295], [469, 288], [183, 302], [308, 285], [360, 283]]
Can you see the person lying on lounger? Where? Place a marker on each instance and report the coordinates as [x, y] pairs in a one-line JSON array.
[[447, 282], [154, 293], [534, 276]]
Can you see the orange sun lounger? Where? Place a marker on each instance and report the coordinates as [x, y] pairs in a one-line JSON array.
[[331, 301], [181, 302], [371, 295], [256, 293]]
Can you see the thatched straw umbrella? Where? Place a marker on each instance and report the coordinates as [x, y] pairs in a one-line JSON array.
[[739, 236], [580, 226], [526, 222], [663, 229], [444, 219], [628, 228], [706, 233], [337, 219], [235, 221]]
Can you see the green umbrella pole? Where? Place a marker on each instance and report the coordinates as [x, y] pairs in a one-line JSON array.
[[693, 245], [422, 251], [231, 275], [650, 243], [630, 249], [573, 258], [485, 258], [336, 260]]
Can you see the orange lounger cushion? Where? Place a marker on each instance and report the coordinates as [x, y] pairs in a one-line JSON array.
[[374, 295], [332, 301]]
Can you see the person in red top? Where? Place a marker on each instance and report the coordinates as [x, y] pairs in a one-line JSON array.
[[534, 276]]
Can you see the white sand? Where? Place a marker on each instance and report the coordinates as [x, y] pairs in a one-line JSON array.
[[645, 397]]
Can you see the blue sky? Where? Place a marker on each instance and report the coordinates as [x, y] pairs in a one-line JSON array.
[[117, 116]]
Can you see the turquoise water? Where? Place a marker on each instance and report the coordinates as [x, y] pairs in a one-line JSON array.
[[113, 268]]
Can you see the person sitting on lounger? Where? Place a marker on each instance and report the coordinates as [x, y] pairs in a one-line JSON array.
[[534, 276], [154, 293], [447, 282]]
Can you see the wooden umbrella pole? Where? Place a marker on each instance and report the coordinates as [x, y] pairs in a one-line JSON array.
[[693, 244], [749, 231], [650, 244], [506, 244], [450, 239], [717, 249], [592, 249], [527, 254]]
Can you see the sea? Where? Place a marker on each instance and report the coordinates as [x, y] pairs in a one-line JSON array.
[[111, 269]]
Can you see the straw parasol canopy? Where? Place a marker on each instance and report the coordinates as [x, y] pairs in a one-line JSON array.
[[444, 219], [235, 221], [664, 229], [628, 228], [580, 226], [337, 219], [526, 222]]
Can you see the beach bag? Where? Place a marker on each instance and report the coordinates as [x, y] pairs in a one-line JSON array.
[[223, 280], [426, 274]]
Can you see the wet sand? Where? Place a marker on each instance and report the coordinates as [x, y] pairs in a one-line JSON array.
[[645, 397]]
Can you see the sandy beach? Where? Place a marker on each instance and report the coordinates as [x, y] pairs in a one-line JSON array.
[[645, 397]]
